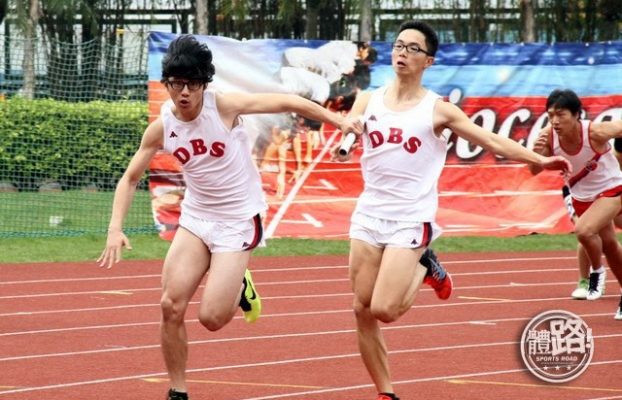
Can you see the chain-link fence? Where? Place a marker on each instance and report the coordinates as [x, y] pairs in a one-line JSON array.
[[62, 152]]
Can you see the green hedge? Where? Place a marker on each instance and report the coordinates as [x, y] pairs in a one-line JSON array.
[[73, 144]]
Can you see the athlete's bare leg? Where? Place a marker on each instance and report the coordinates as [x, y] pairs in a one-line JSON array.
[[223, 288], [185, 265], [612, 249], [589, 225], [385, 285]]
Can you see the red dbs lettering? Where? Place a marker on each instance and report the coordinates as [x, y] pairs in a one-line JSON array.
[[395, 136], [198, 146], [217, 149], [375, 139], [412, 144], [182, 155]]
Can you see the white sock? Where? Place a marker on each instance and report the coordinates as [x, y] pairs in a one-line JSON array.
[[599, 270]]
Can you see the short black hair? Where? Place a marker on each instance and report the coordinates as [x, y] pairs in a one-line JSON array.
[[189, 59], [564, 99], [431, 38]]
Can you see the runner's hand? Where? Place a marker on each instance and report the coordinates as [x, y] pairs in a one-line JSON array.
[[352, 124], [114, 246], [557, 163], [349, 125]]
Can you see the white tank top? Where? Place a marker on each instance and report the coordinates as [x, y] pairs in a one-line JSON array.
[[402, 161], [222, 181], [591, 176]]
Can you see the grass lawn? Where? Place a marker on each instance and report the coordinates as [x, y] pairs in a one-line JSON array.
[[150, 246], [26, 234], [29, 214]]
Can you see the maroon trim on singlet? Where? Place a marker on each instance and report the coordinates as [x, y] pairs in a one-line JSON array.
[[258, 233], [581, 174]]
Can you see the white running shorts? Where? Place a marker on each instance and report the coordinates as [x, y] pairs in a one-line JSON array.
[[386, 233], [226, 236]]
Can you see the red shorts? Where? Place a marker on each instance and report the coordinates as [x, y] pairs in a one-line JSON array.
[[581, 206]]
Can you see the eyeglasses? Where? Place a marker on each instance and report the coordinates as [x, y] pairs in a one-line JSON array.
[[412, 48], [179, 85]]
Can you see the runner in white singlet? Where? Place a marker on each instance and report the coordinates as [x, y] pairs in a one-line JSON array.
[[220, 221], [394, 221], [595, 186]]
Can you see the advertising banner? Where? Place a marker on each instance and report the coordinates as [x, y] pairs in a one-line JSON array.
[[501, 87]]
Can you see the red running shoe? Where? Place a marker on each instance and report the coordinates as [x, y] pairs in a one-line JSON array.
[[436, 277], [382, 396]]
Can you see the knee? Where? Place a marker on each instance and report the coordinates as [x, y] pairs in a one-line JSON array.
[[584, 233], [213, 320], [385, 312], [172, 310], [362, 311]]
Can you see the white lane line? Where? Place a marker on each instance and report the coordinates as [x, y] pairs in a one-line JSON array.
[[305, 313], [95, 279], [308, 219], [296, 282], [411, 381], [293, 335], [605, 398], [277, 269], [288, 297], [299, 360], [325, 185]]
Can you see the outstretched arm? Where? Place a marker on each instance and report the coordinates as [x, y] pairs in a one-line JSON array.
[[232, 105], [124, 194], [449, 116]]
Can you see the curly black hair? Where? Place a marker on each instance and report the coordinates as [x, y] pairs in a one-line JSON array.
[[187, 58]]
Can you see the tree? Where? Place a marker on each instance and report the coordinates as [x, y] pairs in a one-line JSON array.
[[311, 31], [200, 20], [30, 35], [477, 16], [457, 23], [528, 23], [611, 17], [366, 17], [27, 16], [3, 9]]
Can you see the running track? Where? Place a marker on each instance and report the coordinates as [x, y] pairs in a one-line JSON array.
[[74, 331]]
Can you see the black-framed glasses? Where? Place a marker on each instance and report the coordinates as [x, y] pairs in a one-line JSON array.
[[178, 85], [412, 48]]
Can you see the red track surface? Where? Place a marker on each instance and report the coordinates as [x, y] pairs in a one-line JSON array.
[[74, 331]]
